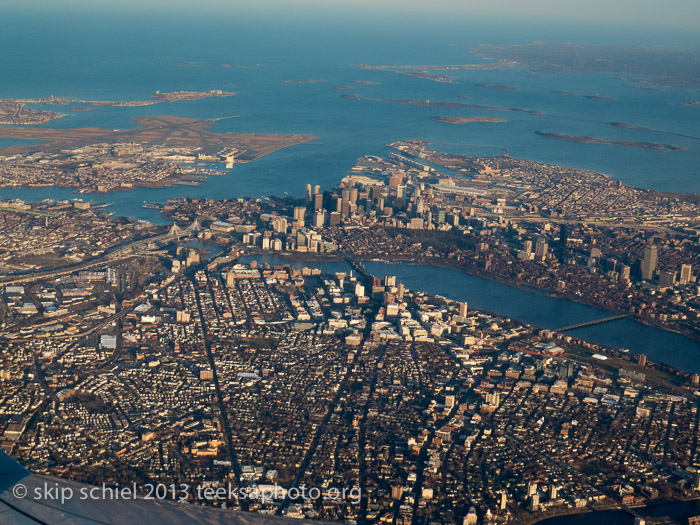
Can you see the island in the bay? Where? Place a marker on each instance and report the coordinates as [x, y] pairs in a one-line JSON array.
[[583, 95], [158, 153], [423, 71], [439, 104], [303, 81], [594, 140], [500, 64], [465, 120]]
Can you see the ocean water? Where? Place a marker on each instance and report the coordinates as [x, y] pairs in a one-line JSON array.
[[128, 56]]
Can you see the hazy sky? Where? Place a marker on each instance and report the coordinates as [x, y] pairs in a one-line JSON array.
[[682, 13]]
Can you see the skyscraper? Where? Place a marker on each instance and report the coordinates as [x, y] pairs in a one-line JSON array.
[[299, 212], [563, 240], [531, 488], [686, 272], [463, 309], [649, 262], [553, 492], [696, 480], [318, 201], [319, 218], [667, 279], [625, 273], [541, 247]]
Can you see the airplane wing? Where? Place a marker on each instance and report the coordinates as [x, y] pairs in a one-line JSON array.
[[20, 506]]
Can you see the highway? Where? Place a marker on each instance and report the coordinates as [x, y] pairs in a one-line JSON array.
[[120, 253]]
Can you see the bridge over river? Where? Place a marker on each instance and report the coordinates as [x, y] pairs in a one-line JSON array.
[[591, 323]]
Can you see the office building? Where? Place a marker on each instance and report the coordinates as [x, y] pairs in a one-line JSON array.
[[299, 212], [563, 241], [649, 262], [686, 272], [463, 309], [318, 201], [541, 248]]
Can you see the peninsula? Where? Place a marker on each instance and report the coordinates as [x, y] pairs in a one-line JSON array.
[[14, 112], [151, 155], [661, 66]]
